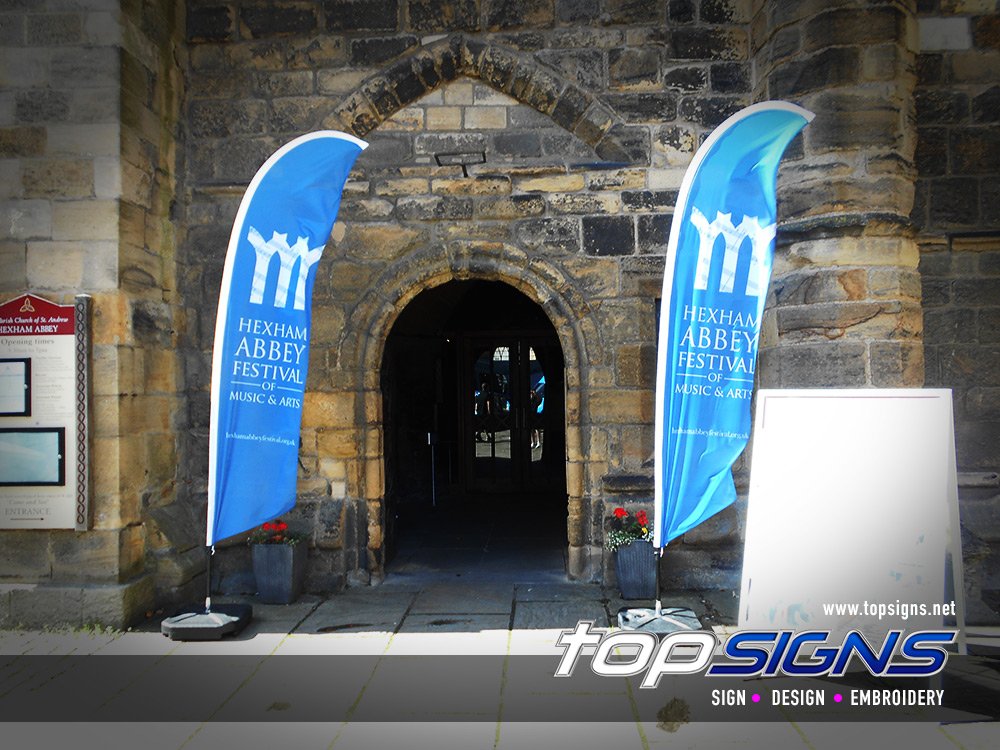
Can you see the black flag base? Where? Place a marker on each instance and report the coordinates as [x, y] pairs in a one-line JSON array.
[[207, 625], [659, 620]]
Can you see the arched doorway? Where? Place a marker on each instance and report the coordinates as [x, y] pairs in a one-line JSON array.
[[474, 431]]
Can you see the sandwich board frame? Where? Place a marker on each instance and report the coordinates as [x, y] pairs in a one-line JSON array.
[[853, 501]]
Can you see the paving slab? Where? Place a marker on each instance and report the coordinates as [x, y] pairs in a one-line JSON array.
[[377, 610], [350, 642], [725, 736], [562, 736], [481, 642], [496, 598], [557, 615], [417, 735], [551, 591]]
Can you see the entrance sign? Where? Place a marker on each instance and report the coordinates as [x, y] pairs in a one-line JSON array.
[[718, 266], [44, 370], [852, 520], [262, 330]]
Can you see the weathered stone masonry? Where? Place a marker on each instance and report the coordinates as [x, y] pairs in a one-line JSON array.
[[575, 120]]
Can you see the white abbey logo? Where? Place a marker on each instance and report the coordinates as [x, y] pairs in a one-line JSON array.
[[287, 255], [760, 239]]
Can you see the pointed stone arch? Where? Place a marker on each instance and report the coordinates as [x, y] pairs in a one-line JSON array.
[[509, 71]]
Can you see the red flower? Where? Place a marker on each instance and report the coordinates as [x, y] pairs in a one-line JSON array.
[[620, 513], [642, 518]]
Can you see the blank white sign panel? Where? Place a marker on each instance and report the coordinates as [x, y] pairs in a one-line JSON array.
[[851, 496]]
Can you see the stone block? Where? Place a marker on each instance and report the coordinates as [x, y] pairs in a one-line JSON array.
[[653, 233], [730, 78], [93, 555], [41, 105], [25, 556], [435, 208], [941, 106], [709, 111], [264, 21], [584, 203], [725, 528], [974, 150], [635, 366], [434, 15], [649, 200], [96, 67], [977, 441], [704, 43], [22, 141], [361, 15], [213, 23], [518, 145], [379, 50], [986, 106], [13, 258], [953, 201], [932, 151], [26, 219], [634, 68], [485, 118], [384, 241], [506, 15], [684, 567], [819, 365], [978, 66], [117, 606], [477, 185], [619, 179], [608, 235], [443, 118], [621, 406], [40, 607], [944, 33], [175, 570], [77, 140], [220, 119], [559, 235], [897, 364], [645, 107], [512, 207], [328, 410]]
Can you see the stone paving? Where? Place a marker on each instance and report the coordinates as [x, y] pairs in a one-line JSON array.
[[403, 617]]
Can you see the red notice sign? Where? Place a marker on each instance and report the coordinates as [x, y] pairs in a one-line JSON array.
[[33, 316]]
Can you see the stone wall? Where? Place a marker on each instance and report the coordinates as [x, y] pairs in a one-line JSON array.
[[578, 120], [958, 188], [129, 131], [88, 120]]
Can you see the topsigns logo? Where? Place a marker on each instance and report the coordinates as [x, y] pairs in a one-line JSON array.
[[626, 653]]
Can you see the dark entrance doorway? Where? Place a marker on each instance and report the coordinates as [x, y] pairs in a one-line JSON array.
[[474, 425]]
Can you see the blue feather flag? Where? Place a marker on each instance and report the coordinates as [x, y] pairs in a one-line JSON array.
[[261, 352], [718, 266]]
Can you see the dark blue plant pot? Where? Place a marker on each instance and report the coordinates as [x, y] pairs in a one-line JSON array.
[[635, 567], [280, 570]]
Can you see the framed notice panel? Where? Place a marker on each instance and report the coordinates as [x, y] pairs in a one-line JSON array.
[[852, 517], [44, 371]]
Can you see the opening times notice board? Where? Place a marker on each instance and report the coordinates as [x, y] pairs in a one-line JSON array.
[[44, 387]]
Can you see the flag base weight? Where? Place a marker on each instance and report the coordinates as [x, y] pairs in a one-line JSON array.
[[212, 625], [660, 620]]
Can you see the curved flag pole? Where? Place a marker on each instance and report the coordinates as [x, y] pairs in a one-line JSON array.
[[715, 280], [261, 350]]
